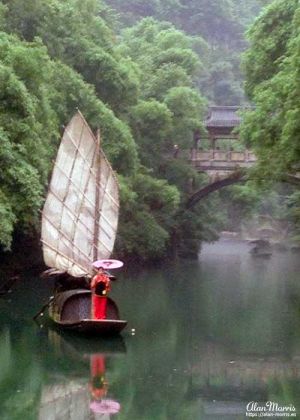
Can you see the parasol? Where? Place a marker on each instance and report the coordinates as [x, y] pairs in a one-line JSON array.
[[108, 264]]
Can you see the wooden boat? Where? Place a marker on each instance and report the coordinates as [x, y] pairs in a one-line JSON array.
[[73, 346], [262, 249], [71, 310], [261, 253], [79, 225]]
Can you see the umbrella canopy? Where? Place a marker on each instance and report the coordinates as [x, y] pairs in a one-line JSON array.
[[105, 407], [108, 264]]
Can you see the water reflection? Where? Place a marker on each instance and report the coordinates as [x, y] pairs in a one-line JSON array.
[[85, 392], [210, 336], [229, 326]]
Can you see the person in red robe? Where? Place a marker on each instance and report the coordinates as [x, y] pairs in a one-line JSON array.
[[100, 286]]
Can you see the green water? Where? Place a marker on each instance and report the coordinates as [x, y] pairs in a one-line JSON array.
[[209, 337]]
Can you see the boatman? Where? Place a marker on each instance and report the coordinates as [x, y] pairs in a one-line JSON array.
[[100, 286]]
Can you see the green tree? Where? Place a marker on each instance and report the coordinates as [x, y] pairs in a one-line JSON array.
[[272, 128], [148, 206], [75, 33], [187, 107], [151, 125], [221, 23], [35, 103], [27, 126], [172, 108], [71, 92], [268, 38], [139, 87]]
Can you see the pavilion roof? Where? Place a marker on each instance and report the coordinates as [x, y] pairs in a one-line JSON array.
[[223, 116]]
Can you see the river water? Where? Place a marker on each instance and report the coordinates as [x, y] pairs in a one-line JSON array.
[[204, 339]]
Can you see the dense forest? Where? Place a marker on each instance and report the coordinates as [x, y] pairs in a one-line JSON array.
[[272, 129], [145, 72]]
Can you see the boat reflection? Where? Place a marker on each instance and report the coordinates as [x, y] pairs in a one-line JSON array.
[[84, 391]]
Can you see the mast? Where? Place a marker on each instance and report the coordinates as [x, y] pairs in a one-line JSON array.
[[97, 197]]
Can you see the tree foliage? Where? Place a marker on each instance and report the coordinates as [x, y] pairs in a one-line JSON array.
[[148, 207], [221, 24], [140, 86], [171, 109], [26, 121], [272, 128], [83, 66], [272, 67], [74, 33], [268, 40], [34, 105]]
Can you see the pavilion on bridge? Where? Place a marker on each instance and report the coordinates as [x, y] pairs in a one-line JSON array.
[[221, 123]]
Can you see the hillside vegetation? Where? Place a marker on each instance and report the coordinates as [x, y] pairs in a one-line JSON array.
[[144, 74]]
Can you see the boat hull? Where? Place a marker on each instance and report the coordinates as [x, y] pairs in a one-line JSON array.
[[71, 310], [91, 326], [258, 253]]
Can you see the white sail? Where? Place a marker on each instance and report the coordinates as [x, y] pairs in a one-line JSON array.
[[80, 215]]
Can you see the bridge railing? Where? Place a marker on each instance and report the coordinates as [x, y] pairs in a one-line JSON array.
[[221, 156], [210, 161]]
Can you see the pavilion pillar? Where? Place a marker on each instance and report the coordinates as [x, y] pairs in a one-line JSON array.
[[197, 139]]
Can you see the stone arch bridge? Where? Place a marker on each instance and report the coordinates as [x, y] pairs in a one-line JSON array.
[[225, 165]]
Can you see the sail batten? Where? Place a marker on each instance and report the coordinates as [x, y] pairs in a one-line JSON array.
[[116, 203], [80, 215], [62, 255], [64, 237], [73, 214], [83, 226]]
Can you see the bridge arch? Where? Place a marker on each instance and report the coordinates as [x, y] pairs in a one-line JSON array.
[[236, 177], [233, 178]]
